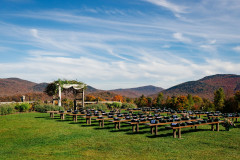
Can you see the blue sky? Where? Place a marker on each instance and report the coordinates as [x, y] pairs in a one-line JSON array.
[[112, 44]]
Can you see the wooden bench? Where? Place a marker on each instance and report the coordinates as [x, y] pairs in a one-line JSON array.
[[89, 119], [62, 115], [102, 120], [233, 118], [117, 123], [135, 125], [175, 129], [52, 113], [154, 127], [199, 114], [75, 116]]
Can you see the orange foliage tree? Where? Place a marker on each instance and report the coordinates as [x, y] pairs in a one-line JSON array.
[[118, 98], [182, 102], [90, 98]]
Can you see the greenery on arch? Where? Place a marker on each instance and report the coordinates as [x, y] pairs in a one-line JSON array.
[[52, 88]]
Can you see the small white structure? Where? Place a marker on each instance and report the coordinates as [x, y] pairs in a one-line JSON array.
[[79, 87]]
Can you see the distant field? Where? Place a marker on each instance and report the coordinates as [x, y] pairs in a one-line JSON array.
[[36, 136]]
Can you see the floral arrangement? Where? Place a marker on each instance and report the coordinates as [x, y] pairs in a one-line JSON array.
[[228, 124]]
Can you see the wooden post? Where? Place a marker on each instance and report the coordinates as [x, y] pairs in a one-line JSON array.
[[179, 133], [137, 127], [75, 118], [75, 104], [212, 127], [103, 123], [174, 133], [133, 127], [119, 125], [156, 130], [62, 116], [83, 98], [217, 126], [59, 96]]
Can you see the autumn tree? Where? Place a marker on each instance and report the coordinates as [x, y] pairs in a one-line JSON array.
[[198, 102], [230, 105], [237, 98], [90, 98], [219, 97], [150, 102], [182, 102], [118, 98], [142, 101]]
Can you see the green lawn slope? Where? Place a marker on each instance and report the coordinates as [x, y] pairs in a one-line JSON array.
[[37, 136]]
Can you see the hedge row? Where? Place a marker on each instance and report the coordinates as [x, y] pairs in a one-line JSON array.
[[47, 107], [7, 109]]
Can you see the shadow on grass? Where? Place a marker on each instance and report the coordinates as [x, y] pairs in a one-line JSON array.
[[89, 125], [40, 117], [120, 130], [65, 120], [140, 132], [160, 135]]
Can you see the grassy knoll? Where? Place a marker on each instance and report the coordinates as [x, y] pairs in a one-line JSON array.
[[36, 136]]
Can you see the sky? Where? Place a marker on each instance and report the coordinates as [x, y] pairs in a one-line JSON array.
[[111, 44]]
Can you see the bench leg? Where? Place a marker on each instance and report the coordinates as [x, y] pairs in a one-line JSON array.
[[137, 127], [179, 133], [133, 128], [152, 130], [156, 130], [212, 127], [103, 123], [217, 126], [174, 133]]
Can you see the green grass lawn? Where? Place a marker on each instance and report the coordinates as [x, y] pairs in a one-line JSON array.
[[37, 136]]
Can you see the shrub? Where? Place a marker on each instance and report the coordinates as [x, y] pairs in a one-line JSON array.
[[115, 105], [47, 107], [129, 105], [22, 107], [97, 106], [7, 109]]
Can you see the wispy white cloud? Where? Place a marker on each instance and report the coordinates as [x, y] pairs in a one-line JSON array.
[[181, 38], [237, 48], [168, 5]]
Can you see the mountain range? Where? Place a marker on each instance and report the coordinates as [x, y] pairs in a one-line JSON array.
[[204, 87]]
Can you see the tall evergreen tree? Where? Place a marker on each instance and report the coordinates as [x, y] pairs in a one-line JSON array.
[[159, 99], [219, 98], [190, 101]]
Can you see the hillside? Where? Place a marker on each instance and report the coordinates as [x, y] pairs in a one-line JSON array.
[[12, 86], [206, 86], [137, 92]]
